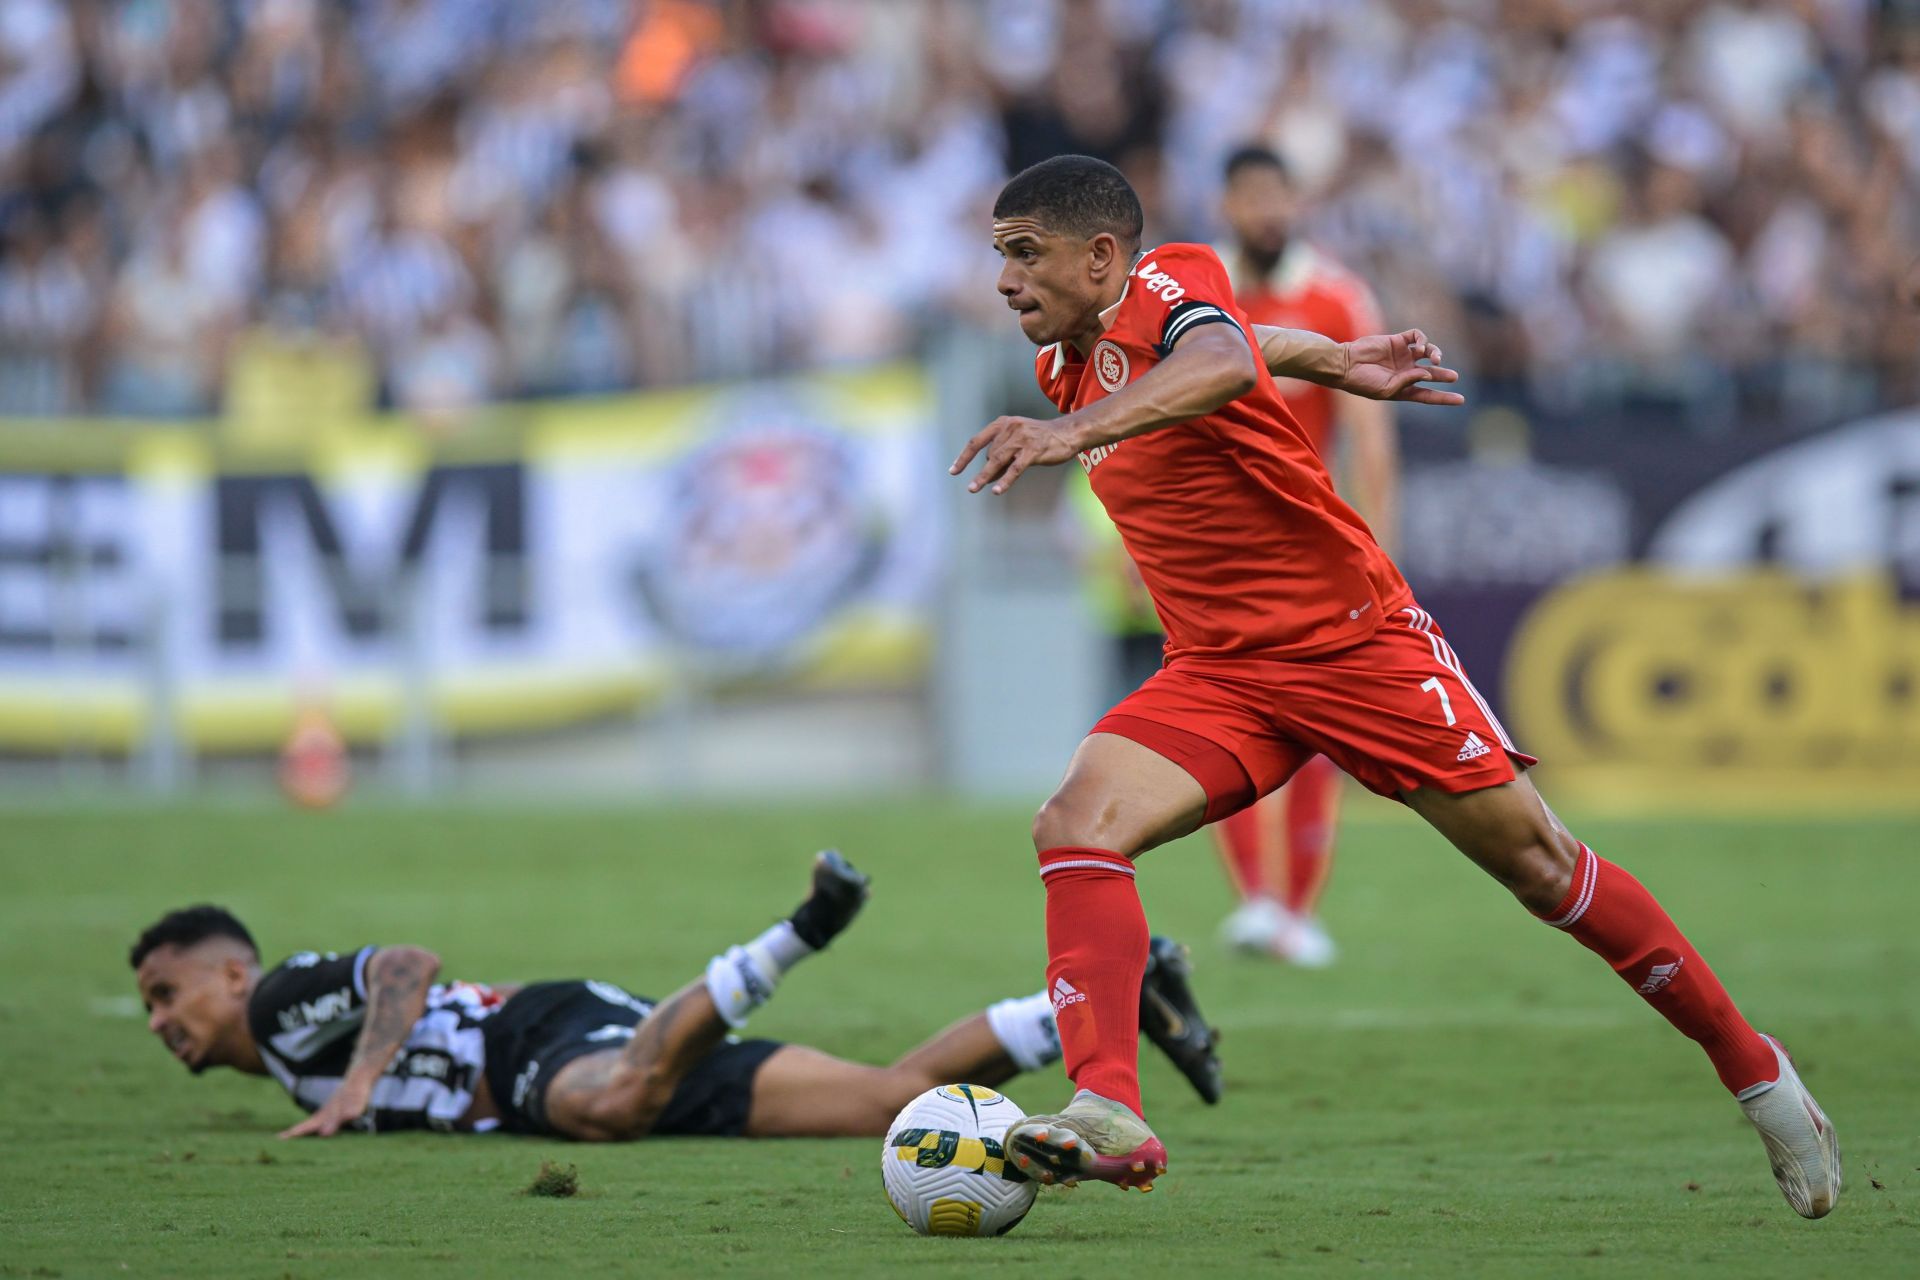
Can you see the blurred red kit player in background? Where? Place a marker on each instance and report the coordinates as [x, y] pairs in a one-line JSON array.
[[1279, 851]]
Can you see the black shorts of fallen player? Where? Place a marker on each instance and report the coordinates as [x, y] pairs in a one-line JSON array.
[[546, 1025]]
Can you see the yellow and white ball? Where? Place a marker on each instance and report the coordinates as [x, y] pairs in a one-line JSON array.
[[944, 1170]]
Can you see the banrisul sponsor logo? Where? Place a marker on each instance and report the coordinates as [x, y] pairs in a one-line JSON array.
[[1091, 458]]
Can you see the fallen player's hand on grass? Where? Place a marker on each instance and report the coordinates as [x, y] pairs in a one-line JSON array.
[[348, 1104], [1387, 367]]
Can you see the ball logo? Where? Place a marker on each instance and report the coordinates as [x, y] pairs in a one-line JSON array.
[[1110, 365], [978, 1094]]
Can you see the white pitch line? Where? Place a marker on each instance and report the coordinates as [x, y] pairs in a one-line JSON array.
[[116, 1007]]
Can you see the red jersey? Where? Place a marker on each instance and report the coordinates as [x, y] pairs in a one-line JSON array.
[[1308, 290], [1231, 518]]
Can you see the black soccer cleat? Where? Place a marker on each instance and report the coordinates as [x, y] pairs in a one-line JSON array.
[[839, 891], [1171, 1018]]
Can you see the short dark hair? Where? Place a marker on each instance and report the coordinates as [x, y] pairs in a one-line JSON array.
[[189, 927], [1255, 156], [1076, 194]]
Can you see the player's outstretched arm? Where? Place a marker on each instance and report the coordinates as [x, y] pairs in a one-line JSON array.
[[1206, 369], [1379, 367], [397, 980]]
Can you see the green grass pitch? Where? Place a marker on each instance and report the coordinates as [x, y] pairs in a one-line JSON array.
[[1465, 1094]]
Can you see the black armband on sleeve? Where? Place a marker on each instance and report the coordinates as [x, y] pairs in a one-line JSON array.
[[1187, 316]]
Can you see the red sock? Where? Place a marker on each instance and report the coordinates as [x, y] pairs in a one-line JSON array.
[[1096, 955], [1312, 798], [1613, 916], [1243, 847]]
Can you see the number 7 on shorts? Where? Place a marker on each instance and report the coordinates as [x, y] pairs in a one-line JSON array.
[[1433, 685]]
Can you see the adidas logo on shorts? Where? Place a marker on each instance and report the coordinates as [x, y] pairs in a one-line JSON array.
[[1473, 748]]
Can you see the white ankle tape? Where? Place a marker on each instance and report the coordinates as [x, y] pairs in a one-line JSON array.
[[736, 985]]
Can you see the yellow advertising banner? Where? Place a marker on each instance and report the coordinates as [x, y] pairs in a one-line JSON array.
[[1644, 687], [566, 560]]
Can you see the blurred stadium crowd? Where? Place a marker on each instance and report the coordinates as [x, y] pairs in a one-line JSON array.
[[1601, 202]]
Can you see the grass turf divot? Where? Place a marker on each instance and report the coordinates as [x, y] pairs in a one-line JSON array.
[[555, 1179]]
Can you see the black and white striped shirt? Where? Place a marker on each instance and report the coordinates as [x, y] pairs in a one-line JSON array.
[[306, 1015]]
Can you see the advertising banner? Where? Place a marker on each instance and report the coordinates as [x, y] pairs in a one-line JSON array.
[[564, 562], [1749, 638]]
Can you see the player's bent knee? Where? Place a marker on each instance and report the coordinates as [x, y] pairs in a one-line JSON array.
[[1058, 825], [1068, 822], [624, 1125], [629, 1110]]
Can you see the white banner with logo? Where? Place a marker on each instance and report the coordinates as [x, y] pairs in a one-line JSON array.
[[567, 567]]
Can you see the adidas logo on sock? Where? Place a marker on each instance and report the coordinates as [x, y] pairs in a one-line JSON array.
[[1660, 975], [1473, 748], [1064, 994]]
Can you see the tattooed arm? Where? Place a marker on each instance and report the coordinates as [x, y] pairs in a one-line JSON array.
[[397, 980], [616, 1097]]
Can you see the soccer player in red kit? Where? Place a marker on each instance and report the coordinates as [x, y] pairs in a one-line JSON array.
[[1279, 850], [1289, 633]]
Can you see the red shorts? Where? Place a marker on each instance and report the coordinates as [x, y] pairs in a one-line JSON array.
[[1396, 711]]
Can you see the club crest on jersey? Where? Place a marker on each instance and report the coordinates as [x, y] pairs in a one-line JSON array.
[[1110, 365]]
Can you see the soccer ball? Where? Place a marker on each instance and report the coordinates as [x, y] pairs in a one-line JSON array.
[[944, 1170]]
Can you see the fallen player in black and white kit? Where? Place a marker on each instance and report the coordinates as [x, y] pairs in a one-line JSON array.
[[369, 1040]]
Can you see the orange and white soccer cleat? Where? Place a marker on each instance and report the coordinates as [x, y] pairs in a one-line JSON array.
[[1094, 1138]]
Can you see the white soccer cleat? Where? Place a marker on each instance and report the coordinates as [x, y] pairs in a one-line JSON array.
[[1263, 927], [1255, 925], [1305, 942], [1800, 1140]]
